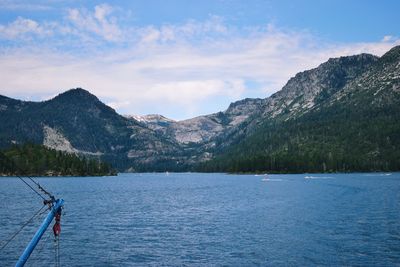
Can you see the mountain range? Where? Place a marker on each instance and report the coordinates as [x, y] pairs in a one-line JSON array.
[[341, 116]]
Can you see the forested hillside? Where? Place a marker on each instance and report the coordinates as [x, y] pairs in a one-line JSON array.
[[37, 160], [356, 128]]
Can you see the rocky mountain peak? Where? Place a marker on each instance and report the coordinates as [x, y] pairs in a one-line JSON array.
[[77, 94], [247, 105], [314, 86], [79, 100], [351, 60], [393, 55], [150, 118], [378, 86]]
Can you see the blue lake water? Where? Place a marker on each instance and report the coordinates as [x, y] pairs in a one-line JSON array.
[[211, 220]]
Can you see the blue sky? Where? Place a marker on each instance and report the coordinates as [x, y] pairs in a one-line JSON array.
[[180, 58]]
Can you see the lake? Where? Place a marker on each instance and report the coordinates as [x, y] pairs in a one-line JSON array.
[[196, 219]]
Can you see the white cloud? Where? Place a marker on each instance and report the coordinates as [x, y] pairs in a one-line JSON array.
[[387, 38], [213, 26], [20, 5], [21, 28], [149, 34], [177, 70], [98, 22], [119, 104]]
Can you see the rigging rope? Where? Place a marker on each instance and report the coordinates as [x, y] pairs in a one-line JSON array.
[[57, 250], [23, 226], [31, 187], [46, 202], [57, 231], [41, 188]]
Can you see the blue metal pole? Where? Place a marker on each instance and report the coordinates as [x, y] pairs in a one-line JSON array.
[[35, 240]]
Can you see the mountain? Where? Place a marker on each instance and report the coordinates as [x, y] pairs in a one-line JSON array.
[[197, 136], [341, 116], [203, 128], [78, 122], [312, 87], [301, 93]]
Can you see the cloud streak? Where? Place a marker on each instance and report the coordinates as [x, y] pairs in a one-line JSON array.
[[181, 70], [99, 22], [23, 28], [18, 5]]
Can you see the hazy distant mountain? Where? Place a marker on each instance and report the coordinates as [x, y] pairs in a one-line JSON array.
[[343, 115], [203, 128]]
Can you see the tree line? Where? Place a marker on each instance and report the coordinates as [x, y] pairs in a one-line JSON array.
[[38, 160]]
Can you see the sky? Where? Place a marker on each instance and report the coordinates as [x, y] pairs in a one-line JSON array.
[[180, 58]]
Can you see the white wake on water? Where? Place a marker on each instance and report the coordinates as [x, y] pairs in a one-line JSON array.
[[271, 180], [318, 177], [378, 174]]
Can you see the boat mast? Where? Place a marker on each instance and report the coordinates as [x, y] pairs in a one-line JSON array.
[[55, 208]]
